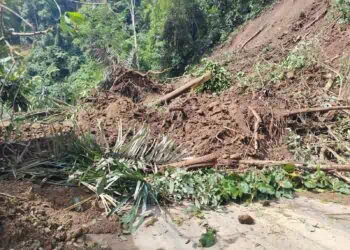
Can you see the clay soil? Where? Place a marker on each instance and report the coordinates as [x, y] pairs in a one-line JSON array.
[[36, 217]]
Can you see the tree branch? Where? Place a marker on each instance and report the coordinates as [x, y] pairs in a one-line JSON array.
[[35, 33], [87, 3], [313, 110]]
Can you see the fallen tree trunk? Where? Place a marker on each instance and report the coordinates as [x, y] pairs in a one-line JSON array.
[[198, 162], [206, 160], [192, 84], [211, 160]]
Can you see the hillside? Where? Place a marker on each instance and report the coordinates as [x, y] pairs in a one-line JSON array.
[[273, 119]]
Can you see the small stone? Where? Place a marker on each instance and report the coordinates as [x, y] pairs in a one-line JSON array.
[[200, 112], [246, 219], [187, 241], [235, 156], [61, 236], [80, 240], [291, 75], [47, 230], [266, 203], [60, 228]]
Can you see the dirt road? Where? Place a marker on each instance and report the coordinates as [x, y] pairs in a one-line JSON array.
[[302, 223]]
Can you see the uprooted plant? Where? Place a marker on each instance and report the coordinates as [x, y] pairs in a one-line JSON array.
[[220, 80]]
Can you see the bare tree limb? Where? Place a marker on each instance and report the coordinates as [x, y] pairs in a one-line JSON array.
[[313, 110], [86, 3], [35, 33], [194, 83]]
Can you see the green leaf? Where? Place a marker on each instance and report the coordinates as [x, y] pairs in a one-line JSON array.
[[286, 184], [76, 17], [289, 168], [244, 188], [266, 189], [311, 184], [101, 184], [209, 238]]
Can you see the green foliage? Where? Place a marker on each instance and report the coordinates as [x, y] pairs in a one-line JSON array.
[[320, 181], [209, 189], [71, 21], [344, 8], [208, 239], [117, 174], [221, 78], [51, 68]]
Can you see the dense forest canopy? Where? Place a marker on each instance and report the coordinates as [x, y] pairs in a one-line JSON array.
[[48, 54]]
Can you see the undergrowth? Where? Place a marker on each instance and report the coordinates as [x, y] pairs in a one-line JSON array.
[[344, 8], [265, 73], [221, 78]]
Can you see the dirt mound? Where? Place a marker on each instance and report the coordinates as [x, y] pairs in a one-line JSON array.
[[129, 83], [33, 216], [206, 123]]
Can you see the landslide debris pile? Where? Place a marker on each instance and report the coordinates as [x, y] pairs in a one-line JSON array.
[[288, 105]]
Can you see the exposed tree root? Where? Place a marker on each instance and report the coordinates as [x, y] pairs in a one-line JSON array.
[[256, 127]]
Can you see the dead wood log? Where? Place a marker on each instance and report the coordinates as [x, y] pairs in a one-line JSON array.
[[313, 110], [203, 161], [256, 127], [194, 161], [192, 84]]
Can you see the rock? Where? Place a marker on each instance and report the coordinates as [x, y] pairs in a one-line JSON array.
[[47, 230], [35, 245], [266, 203], [59, 246], [187, 241], [246, 219], [61, 236], [291, 75], [60, 228], [200, 112], [235, 156]]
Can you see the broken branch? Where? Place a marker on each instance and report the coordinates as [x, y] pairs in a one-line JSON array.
[[35, 33], [194, 83], [313, 110]]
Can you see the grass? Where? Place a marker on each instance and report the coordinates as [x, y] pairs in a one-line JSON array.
[[265, 73]]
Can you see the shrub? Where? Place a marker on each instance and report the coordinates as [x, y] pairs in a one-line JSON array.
[[344, 8]]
